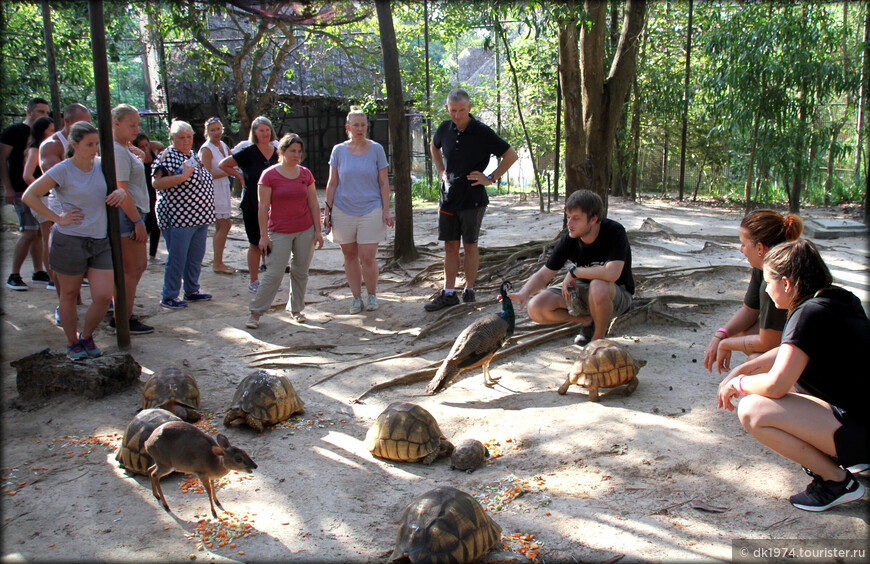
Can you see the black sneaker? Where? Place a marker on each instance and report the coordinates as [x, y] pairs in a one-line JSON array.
[[16, 283], [136, 326], [442, 300], [468, 296], [197, 297], [585, 335], [821, 494], [40, 277]]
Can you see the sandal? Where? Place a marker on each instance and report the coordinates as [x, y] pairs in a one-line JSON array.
[[253, 322], [225, 270], [297, 316]]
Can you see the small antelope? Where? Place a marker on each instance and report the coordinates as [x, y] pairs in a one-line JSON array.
[[177, 446]]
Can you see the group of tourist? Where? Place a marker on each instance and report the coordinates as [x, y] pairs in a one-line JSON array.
[[801, 334]]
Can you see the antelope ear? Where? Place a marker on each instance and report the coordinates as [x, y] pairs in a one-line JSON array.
[[222, 440], [217, 451]]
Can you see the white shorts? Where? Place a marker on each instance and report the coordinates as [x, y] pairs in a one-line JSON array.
[[361, 229]]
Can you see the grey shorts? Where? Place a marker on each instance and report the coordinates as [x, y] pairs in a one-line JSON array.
[[72, 256], [621, 301], [462, 224], [26, 220]]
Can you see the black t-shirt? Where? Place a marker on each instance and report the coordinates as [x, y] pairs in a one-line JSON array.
[[253, 163], [465, 151], [611, 244], [16, 136], [769, 316], [833, 330]]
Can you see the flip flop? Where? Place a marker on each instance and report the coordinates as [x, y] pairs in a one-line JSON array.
[[297, 317], [225, 270]]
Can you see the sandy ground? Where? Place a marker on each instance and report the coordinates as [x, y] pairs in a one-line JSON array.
[[596, 480]]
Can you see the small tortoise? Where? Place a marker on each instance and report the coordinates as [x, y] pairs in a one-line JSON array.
[[174, 390], [132, 455], [263, 399], [444, 525], [603, 364], [468, 455], [408, 433]]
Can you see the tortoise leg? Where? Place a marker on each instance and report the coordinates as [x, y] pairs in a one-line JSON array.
[[593, 394], [429, 458], [630, 387], [563, 389], [254, 422], [192, 415]]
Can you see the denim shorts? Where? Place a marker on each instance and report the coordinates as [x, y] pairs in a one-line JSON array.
[[26, 220], [127, 227], [73, 256], [461, 224]]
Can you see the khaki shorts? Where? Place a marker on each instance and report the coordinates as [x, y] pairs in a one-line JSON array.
[[621, 301], [361, 229]]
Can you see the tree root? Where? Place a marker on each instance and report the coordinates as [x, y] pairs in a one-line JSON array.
[[655, 310], [290, 349]]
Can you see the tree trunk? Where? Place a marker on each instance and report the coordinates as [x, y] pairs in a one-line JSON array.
[[403, 247], [863, 106], [635, 136], [686, 104], [603, 98], [54, 88], [507, 51], [797, 184], [569, 80], [557, 159], [665, 151], [751, 167]]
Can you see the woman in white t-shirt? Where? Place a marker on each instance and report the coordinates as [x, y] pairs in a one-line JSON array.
[[212, 152], [79, 237], [358, 207]]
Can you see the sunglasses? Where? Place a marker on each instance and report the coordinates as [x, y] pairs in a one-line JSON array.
[[212, 120]]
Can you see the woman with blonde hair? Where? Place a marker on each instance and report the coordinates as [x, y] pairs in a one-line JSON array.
[[253, 160], [358, 207], [826, 427], [289, 216], [79, 237], [757, 326], [212, 152]]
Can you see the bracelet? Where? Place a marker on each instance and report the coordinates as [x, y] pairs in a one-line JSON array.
[[724, 331], [739, 386], [140, 220]]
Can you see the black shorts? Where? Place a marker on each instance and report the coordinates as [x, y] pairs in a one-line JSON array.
[[462, 224], [252, 226], [851, 440]]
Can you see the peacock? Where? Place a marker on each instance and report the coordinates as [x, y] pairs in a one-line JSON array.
[[476, 346]]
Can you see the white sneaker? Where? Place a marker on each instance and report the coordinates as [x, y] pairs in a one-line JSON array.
[[254, 286], [155, 260], [356, 305], [372, 303]]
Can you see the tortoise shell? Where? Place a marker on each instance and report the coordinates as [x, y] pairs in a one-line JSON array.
[[131, 455], [263, 399], [408, 433], [468, 455], [603, 364], [445, 525], [174, 390]]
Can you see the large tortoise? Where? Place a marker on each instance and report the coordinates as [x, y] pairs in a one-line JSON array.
[[468, 455], [174, 390], [131, 455], [444, 525], [603, 364], [263, 399], [407, 433]]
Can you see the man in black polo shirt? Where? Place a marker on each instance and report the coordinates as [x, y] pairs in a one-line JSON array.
[[13, 144], [461, 148], [598, 287]]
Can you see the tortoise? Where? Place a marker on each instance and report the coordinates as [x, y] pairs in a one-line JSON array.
[[408, 433], [444, 525], [603, 364], [468, 455], [174, 390], [263, 399], [131, 455]]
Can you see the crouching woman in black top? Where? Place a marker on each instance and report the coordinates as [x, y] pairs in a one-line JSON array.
[[824, 428]]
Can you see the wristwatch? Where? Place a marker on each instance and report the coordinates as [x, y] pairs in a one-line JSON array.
[[571, 272]]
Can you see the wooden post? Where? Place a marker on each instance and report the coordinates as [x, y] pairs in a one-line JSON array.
[[48, 34], [107, 158]]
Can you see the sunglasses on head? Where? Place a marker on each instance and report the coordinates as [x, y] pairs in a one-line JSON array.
[[212, 120]]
